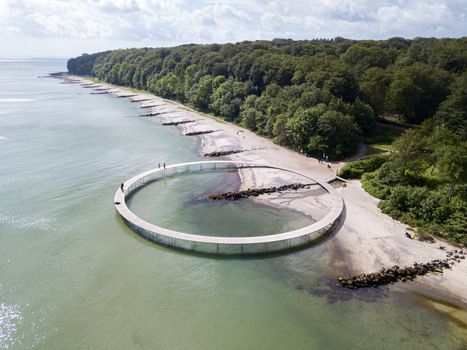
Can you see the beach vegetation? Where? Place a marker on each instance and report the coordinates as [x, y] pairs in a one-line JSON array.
[[273, 87]]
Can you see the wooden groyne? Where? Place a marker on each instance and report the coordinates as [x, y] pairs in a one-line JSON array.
[[234, 195]]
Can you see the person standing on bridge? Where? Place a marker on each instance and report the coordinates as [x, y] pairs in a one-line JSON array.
[[121, 187]]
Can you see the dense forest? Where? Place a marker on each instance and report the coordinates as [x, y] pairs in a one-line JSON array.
[[327, 97]]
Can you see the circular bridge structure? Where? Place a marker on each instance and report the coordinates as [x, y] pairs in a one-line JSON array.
[[217, 244]]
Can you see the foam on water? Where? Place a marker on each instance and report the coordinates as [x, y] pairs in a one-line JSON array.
[[10, 319], [22, 222]]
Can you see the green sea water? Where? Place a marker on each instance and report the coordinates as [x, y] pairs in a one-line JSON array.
[[74, 276]]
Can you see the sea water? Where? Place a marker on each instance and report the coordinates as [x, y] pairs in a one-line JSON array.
[[74, 276]]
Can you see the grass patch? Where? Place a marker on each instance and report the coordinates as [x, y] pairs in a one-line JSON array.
[[372, 151], [382, 139], [396, 120], [355, 170]]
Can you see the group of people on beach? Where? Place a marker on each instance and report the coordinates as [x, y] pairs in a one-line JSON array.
[[324, 158]]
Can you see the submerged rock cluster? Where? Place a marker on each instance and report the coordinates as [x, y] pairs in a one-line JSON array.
[[223, 153], [178, 123], [234, 195], [395, 274]]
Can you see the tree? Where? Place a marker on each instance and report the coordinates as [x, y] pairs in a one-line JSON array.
[[403, 97], [452, 112], [227, 99], [374, 85], [336, 134], [363, 116], [453, 165], [302, 125]]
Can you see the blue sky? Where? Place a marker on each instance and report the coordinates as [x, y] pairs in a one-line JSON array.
[[64, 28]]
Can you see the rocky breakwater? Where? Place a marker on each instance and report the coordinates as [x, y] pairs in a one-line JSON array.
[[151, 114], [126, 95], [223, 153], [397, 274], [202, 132], [151, 106], [141, 100], [178, 123], [234, 195]]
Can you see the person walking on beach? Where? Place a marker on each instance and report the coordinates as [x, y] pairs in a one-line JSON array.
[[121, 187], [164, 165]]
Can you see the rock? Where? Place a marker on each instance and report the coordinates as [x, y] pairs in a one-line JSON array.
[[195, 133], [151, 114], [254, 192], [394, 274], [223, 153], [178, 123]]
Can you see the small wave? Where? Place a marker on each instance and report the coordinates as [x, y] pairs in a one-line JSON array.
[[10, 318], [22, 222], [7, 100]]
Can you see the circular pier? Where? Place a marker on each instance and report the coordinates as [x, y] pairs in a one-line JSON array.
[[214, 244]]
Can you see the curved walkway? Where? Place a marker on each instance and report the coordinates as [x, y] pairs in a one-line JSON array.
[[214, 244]]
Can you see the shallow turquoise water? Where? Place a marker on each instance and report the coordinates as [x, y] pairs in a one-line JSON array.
[[73, 276], [181, 203]]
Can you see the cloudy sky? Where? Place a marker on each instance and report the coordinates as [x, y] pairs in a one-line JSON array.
[[64, 28]]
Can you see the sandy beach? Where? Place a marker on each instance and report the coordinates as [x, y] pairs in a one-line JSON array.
[[366, 239]]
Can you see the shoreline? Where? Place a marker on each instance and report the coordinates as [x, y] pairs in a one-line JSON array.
[[365, 240]]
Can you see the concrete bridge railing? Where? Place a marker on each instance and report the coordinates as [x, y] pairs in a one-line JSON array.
[[215, 244]]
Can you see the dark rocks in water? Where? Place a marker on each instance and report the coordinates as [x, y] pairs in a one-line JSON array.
[[223, 153], [178, 123], [150, 106], [396, 274], [234, 195], [59, 75], [124, 96], [194, 133], [151, 114], [142, 100]]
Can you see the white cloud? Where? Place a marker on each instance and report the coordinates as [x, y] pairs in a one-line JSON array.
[[169, 22]]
